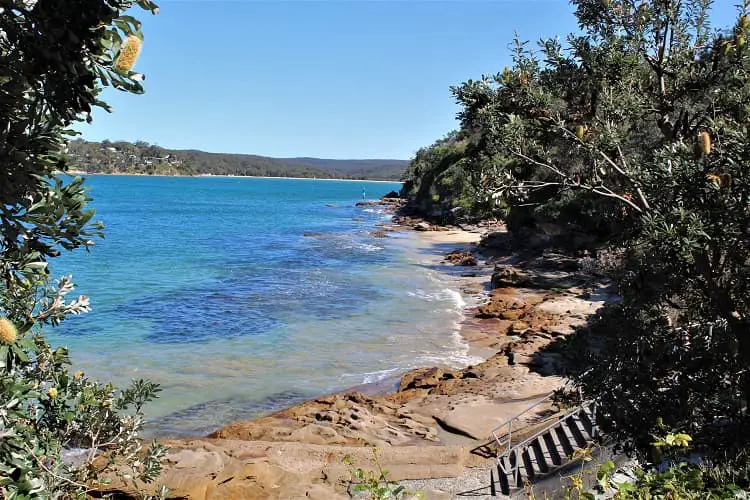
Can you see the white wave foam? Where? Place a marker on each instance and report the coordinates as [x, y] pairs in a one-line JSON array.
[[372, 377], [442, 295], [365, 246]]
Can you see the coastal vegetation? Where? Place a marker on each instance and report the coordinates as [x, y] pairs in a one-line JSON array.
[[633, 130], [148, 159], [61, 433]]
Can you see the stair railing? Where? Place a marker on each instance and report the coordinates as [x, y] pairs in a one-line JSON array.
[[517, 449], [504, 438]]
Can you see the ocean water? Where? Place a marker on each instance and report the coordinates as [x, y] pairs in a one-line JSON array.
[[241, 296]]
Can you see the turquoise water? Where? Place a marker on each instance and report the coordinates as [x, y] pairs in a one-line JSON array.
[[241, 296]]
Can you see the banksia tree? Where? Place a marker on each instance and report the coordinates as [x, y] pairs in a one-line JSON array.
[[57, 56], [664, 99]]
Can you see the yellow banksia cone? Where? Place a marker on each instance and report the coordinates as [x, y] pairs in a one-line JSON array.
[[744, 22], [129, 53], [713, 178], [704, 141], [506, 75], [524, 79], [580, 132], [52, 392], [8, 332], [740, 41]]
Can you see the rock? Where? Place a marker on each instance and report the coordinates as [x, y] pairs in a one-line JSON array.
[[424, 378], [519, 327], [496, 240], [422, 226], [379, 233], [461, 258], [506, 276], [468, 261], [512, 314], [391, 195]]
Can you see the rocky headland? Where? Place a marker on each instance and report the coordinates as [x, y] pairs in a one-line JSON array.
[[435, 429]]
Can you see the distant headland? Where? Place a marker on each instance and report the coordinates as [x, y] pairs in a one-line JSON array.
[[142, 158]]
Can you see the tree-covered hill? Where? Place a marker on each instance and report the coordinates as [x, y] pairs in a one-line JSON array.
[[144, 158]]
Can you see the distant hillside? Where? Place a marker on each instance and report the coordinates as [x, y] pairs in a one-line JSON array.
[[144, 158]]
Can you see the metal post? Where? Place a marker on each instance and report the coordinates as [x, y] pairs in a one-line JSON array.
[[510, 435], [595, 429]]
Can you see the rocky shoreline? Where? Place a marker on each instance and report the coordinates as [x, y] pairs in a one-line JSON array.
[[436, 427]]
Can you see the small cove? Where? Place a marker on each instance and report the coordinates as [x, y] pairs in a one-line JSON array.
[[242, 296]]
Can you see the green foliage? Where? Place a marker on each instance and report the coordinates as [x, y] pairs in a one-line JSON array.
[[148, 159], [676, 480], [375, 483], [439, 185], [61, 435], [636, 129]]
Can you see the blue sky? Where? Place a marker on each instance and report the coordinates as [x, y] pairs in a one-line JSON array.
[[332, 79]]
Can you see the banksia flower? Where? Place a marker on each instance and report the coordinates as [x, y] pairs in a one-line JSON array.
[[580, 131], [524, 79], [52, 392], [704, 142], [744, 22], [740, 41], [506, 75], [8, 332], [713, 178], [129, 53]]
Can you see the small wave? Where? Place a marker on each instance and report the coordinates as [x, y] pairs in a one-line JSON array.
[[372, 377], [445, 294], [363, 246]]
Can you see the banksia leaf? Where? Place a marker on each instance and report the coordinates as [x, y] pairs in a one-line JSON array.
[[129, 53], [704, 142], [8, 332]]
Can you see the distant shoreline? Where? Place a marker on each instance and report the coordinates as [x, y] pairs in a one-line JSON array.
[[81, 172]]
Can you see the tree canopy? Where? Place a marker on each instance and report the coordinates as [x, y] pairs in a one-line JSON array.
[[640, 123], [55, 58]]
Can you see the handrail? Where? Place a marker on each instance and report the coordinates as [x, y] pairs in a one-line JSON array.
[[509, 423], [551, 426], [514, 449]]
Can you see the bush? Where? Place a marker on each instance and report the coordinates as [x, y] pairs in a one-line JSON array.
[[61, 434]]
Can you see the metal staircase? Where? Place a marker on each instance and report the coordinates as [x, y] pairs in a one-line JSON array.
[[547, 445]]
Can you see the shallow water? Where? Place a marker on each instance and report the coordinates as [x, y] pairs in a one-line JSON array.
[[211, 287]]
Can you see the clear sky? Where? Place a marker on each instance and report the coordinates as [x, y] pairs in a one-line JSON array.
[[329, 79]]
